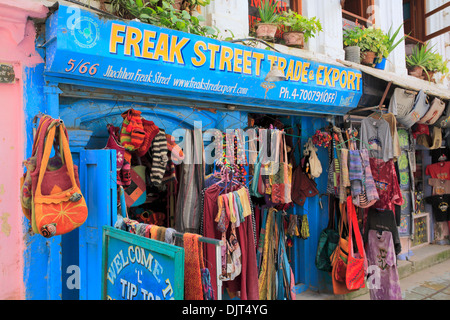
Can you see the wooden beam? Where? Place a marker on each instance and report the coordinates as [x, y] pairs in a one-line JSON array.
[[437, 33], [384, 95], [437, 9], [350, 14]]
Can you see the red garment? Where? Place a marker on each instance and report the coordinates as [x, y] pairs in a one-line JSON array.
[[387, 184], [247, 281], [440, 170]]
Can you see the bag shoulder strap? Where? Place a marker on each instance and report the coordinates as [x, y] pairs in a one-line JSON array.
[[353, 226], [46, 156]]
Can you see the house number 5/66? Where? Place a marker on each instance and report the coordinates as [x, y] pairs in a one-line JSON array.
[[82, 67]]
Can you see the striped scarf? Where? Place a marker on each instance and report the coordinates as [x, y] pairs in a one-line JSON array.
[[158, 151]]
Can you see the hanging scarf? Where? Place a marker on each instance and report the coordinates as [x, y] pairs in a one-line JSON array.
[[192, 275], [267, 274]]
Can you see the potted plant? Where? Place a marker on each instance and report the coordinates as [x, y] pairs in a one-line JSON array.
[[268, 25], [435, 63], [372, 44], [163, 14], [352, 36], [390, 44], [297, 29], [417, 61]]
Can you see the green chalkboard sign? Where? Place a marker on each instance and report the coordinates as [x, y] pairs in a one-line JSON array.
[[138, 268], [7, 74]]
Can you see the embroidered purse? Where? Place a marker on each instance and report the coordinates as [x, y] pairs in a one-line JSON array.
[[63, 209]]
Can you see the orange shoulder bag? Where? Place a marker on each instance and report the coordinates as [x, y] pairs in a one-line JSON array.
[[64, 209]]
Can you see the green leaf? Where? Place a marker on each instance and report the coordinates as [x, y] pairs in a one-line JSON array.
[[195, 20], [180, 25], [144, 16]]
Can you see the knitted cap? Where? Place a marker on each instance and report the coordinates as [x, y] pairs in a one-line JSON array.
[[151, 130]]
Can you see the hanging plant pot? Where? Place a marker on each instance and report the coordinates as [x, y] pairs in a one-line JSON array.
[[416, 71], [294, 39], [353, 54], [381, 64], [266, 30], [368, 57]]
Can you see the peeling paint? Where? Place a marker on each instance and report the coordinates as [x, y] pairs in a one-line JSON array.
[[6, 227]]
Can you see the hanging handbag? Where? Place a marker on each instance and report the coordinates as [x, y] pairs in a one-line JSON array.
[[355, 264], [281, 187], [420, 108], [328, 240], [402, 102], [434, 113], [26, 185], [315, 167], [62, 208], [339, 258]]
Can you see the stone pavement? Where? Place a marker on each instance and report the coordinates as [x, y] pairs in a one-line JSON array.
[[432, 283], [424, 276]]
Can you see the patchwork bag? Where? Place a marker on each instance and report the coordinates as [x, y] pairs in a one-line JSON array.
[[281, 186], [135, 193], [355, 272], [58, 204]]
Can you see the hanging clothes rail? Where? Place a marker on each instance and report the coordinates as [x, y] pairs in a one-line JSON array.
[[218, 244]]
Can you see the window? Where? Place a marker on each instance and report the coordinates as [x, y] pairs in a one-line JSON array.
[[416, 15], [283, 5], [361, 11]]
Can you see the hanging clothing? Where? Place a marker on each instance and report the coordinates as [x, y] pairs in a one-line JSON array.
[[439, 186], [247, 281], [440, 170], [158, 151], [193, 289], [191, 184], [382, 221], [440, 205], [376, 133], [381, 253], [387, 184]]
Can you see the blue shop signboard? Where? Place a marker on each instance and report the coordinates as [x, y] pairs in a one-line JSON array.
[[87, 49], [138, 268]]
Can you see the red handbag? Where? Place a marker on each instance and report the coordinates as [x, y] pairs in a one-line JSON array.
[[355, 264]]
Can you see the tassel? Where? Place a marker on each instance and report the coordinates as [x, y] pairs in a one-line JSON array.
[[305, 227]]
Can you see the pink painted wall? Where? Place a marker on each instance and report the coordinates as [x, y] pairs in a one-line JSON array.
[[17, 49]]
